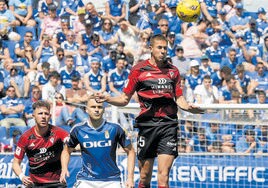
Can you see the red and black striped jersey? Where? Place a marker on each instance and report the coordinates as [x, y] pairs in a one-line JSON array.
[[43, 153], [157, 90]]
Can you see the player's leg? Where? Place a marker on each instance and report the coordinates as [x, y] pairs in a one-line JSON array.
[[147, 151], [146, 170], [167, 151], [164, 164]]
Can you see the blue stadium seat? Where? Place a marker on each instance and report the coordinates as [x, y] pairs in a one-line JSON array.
[[3, 132], [11, 47], [21, 30], [22, 129]]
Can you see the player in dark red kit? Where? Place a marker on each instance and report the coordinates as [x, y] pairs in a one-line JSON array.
[[157, 84], [43, 145]]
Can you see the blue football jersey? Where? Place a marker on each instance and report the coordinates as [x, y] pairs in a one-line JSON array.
[[95, 79], [98, 148]]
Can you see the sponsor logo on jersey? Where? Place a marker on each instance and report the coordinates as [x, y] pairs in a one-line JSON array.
[[97, 144], [42, 150]]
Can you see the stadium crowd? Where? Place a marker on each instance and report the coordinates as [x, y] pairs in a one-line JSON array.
[[65, 51]]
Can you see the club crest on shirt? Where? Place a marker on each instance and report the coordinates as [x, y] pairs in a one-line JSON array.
[[106, 134], [171, 74]]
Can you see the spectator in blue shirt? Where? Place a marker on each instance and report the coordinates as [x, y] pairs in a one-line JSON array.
[[263, 48], [205, 68], [252, 35], [12, 109], [93, 16], [82, 60], [108, 62], [28, 111], [259, 114], [85, 37], [194, 78], [249, 143], [45, 50], [262, 20], [68, 71], [69, 7], [60, 34], [43, 77], [174, 22], [199, 143], [118, 76], [187, 131], [171, 44], [259, 79], [70, 46], [23, 11], [115, 10], [16, 80], [219, 77], [225, 95], [95, 48], [239, 21], [107, 33], [215, 52], [7, 21], [42, 8], [230, 61], [95, 79], [243, 81]]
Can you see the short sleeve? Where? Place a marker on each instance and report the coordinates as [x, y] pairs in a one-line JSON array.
[[123, 139], [131, 82]]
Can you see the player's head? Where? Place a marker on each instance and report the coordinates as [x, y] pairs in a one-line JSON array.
[[158, 47], [41, 113], [95, 110]]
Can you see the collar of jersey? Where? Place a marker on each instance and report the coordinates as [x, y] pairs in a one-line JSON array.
[[89, 124]]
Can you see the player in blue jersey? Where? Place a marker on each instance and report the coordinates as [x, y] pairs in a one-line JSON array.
[[98, 140]]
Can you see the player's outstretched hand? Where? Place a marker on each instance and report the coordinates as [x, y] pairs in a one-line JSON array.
[[63, 176], [27, 182], [100, 97], [130, 183], [195, 109]]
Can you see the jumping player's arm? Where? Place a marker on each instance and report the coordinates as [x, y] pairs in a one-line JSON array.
[[121, 100], [130, 165], [124, 98], [65, 159], [181, 101]]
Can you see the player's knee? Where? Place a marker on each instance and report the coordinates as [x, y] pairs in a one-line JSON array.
[[145, 178]]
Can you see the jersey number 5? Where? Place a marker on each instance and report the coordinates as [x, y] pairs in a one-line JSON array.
[[141, 141]]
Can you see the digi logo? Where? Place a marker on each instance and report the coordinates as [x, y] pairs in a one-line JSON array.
[[97, 144]]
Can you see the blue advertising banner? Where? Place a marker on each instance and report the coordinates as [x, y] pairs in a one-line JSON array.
[[187, 171]]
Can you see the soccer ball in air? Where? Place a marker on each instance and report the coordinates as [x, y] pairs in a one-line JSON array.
[[188, 10]]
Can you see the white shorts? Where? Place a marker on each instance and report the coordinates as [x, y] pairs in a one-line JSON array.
[[98, 184]]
